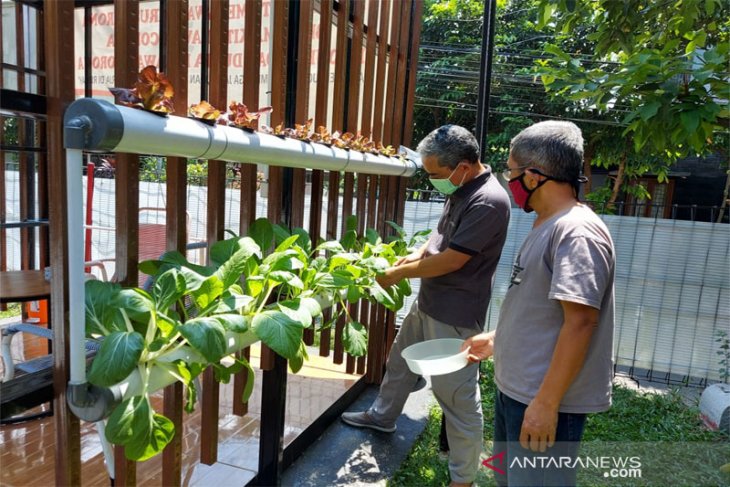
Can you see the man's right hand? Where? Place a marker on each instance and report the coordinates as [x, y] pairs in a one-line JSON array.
[[481, 346]]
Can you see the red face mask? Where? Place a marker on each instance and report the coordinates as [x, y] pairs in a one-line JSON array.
[[521, 193]]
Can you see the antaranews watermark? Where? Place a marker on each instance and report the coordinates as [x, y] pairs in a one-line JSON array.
[[617, 463]]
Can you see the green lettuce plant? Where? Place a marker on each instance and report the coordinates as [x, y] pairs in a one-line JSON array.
[[196, 316]]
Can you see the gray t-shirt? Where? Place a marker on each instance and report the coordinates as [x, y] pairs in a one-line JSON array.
[[569, 257], [474, 222]]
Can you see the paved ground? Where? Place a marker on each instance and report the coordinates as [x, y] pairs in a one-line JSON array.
[[690, 395], [357, 457]]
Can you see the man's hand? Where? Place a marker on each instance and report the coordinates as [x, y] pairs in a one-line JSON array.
[[538, 426], [389, 277], [417, 255], [482, 346]]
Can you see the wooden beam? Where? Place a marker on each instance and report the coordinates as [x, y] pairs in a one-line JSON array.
[[59, 34], [280, 41], [218, 85], [415, 38], [175, 27], [126, 181], [252, 56], [381, 76], [306, 13]]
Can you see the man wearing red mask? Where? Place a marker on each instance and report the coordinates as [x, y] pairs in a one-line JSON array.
[[553, 344], [456, 266]]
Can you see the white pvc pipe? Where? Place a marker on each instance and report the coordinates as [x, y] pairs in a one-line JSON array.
[[74, 200], [106, 448], [145, 133], [160, 377]]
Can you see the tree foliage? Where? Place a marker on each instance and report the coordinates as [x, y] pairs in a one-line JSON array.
[[656, 69], [647, 82], [450, 51]]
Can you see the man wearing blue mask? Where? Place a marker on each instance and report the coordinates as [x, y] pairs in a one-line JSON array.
[[456, 266]]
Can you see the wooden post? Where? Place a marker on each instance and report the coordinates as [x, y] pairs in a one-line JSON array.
[[216, 209], [59, 34], [174, 26]]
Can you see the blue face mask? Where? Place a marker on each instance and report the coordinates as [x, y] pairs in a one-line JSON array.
[[445, 185]]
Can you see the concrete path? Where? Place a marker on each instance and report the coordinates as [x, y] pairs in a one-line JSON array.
[[344, 455]]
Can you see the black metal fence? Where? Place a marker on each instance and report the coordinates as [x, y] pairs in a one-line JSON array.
[[672, 284]]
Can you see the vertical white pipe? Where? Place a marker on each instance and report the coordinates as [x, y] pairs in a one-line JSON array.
[[106, 448], [76, 299]]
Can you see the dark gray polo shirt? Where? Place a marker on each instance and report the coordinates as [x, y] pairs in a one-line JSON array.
[[474, 222]]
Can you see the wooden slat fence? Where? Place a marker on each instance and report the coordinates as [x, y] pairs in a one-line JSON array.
[[366, 54]]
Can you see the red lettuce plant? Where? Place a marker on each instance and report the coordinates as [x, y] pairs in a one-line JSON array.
[[152, 91], [240, 116], [204, 111]]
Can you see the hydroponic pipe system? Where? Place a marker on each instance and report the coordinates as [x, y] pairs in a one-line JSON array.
[[99, 126]]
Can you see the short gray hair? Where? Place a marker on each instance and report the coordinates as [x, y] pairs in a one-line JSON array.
[[554, 146], [450, 144]]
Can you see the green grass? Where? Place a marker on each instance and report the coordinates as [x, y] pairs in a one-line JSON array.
[[13, 310], [634, 417]]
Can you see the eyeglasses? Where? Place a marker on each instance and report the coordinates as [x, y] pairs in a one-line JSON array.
[[507, 173]]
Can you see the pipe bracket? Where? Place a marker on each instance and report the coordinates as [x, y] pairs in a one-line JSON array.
[[92, 403]]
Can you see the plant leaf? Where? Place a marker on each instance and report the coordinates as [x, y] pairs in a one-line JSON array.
[[349, 240], [208, 291], [126, 97], [381, 296], [254, 285], [304, 241], [102, 316], [296, 310], [286, 243], [204, 110], [398, 229], [136, 426], [232, 301], [168, 288], [296, 362], [312, 305], [207, 336], [281, 333], [223, 250], [281, 234], [235, 265], [331, 245], [248, 390], [351, 223], [117, 358], [355, 339], [262, 232], [137, 304], [155, 90], [286, 277], [232, 322], [335, 279]]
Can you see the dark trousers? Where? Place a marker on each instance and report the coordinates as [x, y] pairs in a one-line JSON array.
[[525, 468]]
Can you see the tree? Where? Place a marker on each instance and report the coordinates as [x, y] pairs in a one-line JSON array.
[[657, 69], [446, 88]]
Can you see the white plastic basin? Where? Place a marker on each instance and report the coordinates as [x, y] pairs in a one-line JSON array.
[[436, 357]]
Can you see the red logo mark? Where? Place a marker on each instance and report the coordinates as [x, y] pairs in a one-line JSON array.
[[498, 456]]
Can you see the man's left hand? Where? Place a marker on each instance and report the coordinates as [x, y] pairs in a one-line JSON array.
[[538, 427], [389, 277]]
